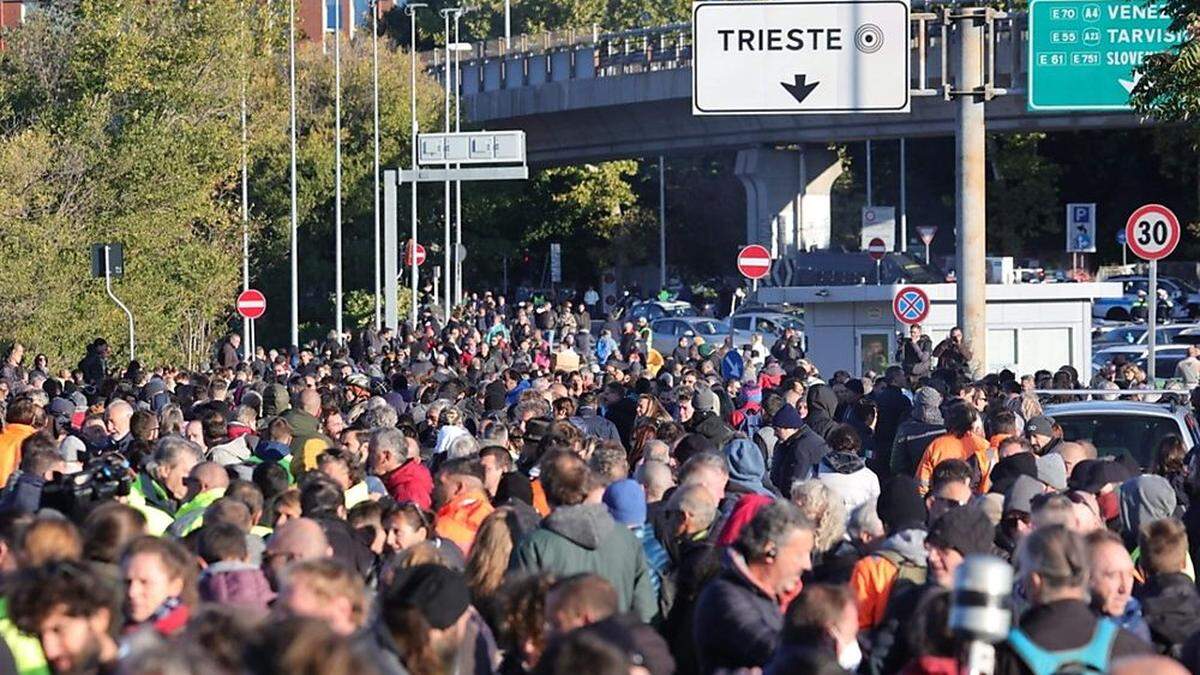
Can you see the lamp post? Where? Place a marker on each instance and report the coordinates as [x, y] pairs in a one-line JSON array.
[[458, 48], [295, 220], [337, 168], [411, 9], [375, 201], [446, 264]]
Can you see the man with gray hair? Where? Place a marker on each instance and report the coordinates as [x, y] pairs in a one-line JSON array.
[[1053, 570], [739, 613], [160, 488], [690, 513], [396, 460], [656, 478]]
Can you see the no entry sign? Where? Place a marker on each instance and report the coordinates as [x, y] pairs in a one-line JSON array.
[[754, 262], [910, 305], [1152, 232], [877, 248], [408, 255], [251, 303]]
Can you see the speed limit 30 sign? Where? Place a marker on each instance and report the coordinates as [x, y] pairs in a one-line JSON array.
[[1152, 232]]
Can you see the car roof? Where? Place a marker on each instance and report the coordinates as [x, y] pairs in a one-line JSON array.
[[1114, 407]]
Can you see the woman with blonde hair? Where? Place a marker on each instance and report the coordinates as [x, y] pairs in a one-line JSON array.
[[825, 509], [488, 562]]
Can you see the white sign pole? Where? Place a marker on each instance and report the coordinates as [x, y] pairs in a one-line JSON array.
[[108, 288], [1153, 312]]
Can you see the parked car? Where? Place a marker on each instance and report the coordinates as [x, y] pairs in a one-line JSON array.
[[1186, 298], [658, 309], [1125, 428], [1139, 334], [666, 332]]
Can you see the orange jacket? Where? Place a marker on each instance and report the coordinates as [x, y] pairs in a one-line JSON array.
[[948, 446], [872, 581], [459, 519], [539, 497], [10, 448]]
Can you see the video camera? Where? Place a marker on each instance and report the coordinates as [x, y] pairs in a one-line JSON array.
[[103, 478]]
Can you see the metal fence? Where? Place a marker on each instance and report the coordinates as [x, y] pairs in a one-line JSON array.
[[534, 60]]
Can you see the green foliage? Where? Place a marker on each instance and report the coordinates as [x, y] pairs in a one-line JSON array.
[[1023, 204], [121, 123]]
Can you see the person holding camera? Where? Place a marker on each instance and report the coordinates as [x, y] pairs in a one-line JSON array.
[[952, 353], [914, 353]]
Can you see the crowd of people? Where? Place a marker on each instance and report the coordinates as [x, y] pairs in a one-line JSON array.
[[512, 491]]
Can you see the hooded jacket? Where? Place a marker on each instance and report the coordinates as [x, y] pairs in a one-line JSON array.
[[1145, 499], [822, 402], [848, 476], [585, 539], [1171, 607], [710, 425], [875, 575], [410, 482], [795, 458], [747, 469], [305, 428], [234, 451], [915, 434], [275, 402], [236, 583]]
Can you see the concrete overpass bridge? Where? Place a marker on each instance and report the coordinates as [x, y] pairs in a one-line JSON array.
[[590, 96]]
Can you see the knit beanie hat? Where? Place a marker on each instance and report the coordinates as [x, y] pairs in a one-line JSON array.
[[966, 529], [626, 502], [787, 417], [438, 593], [900, 505]]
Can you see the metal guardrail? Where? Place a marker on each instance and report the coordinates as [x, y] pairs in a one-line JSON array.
[[588, 54]]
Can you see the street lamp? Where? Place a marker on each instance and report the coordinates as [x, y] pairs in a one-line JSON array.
[[292, 131], [458, 48], [411, 10], [446, 287], [337, 167], [375, 202]]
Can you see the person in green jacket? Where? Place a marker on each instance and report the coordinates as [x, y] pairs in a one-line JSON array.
[[206, 484], [306, 426], [578, 538], [162, 486]]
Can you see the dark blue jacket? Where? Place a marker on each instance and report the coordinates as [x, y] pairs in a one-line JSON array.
[[736, 625], [795, 458]]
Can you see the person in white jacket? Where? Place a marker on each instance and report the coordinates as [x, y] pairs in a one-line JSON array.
[[844, 471]]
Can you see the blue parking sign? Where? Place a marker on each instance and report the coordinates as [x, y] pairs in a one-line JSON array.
[[1081, 228]]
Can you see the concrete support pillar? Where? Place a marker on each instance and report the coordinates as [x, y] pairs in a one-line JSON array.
[[970, 183], [787, 196]]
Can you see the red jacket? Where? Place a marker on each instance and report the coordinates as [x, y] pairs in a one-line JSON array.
[[410, 482]]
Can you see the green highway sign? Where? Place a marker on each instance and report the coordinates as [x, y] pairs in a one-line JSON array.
[[1082, 53]]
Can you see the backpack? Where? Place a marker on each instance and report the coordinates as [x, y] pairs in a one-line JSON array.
[[751, 420], [906, 570], [1092, 657]]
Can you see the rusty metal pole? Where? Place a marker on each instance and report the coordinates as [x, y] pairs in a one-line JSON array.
[[970, 151]]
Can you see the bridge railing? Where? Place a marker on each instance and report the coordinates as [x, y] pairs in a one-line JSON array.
[[582, 54]]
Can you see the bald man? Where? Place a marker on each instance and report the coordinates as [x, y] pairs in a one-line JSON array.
[[1074, 453], [297, 539], [308, 442], [1138, 665], [206, 484], [116, 422]]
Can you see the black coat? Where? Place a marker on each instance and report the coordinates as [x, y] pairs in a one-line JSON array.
[[1062, 625], [894, 409], [736, 625], [795, 458], [1171, 607]]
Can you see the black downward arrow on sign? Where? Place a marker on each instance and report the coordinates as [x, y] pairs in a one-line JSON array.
[[799, 89]]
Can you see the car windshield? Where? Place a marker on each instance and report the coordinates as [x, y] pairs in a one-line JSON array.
[[1127, 335], [679, 310], [1119, 435], [706, 328]]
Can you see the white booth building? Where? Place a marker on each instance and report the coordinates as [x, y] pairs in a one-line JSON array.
[[1029, 326]]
